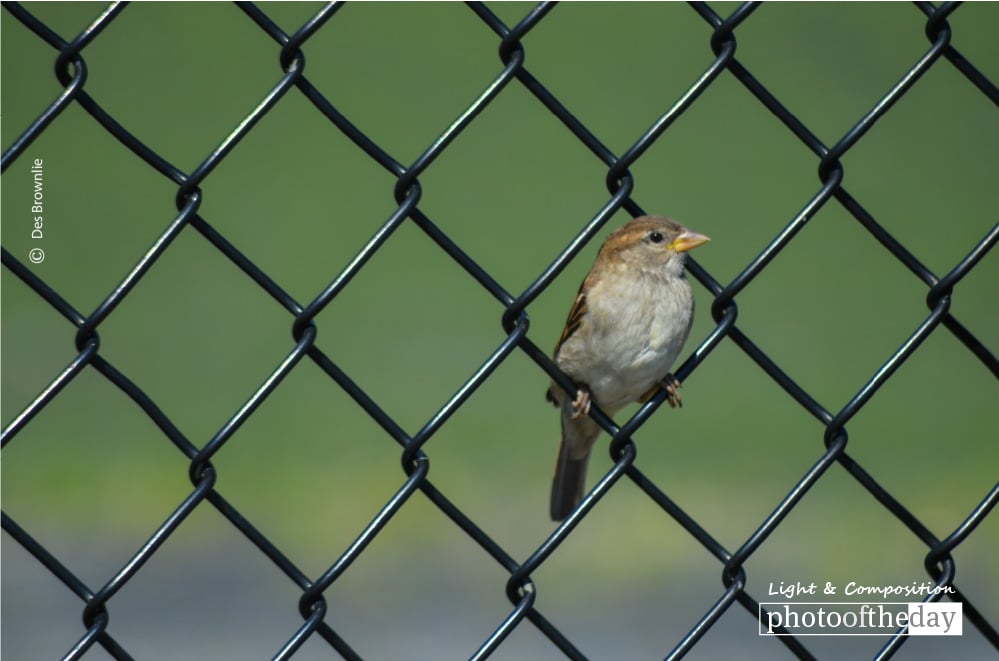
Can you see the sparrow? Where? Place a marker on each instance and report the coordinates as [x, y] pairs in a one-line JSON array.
[[626, 327]]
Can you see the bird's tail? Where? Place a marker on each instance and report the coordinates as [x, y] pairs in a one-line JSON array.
[[569, 482]]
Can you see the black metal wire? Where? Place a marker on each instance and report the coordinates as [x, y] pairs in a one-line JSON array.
[[520, 589]]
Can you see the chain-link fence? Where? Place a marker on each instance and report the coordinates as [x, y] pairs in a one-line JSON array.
[[888, 482]]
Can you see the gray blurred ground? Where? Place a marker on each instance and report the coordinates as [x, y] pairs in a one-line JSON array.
[[228, 603]]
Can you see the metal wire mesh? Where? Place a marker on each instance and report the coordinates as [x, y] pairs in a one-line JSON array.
[[512, 72]]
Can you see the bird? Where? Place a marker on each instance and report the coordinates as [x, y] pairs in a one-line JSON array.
[[625, 330]]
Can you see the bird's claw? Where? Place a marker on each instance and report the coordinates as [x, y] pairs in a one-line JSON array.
[[581, 405], [671, 385]]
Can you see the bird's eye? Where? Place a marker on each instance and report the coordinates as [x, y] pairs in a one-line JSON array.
[[656, 237]]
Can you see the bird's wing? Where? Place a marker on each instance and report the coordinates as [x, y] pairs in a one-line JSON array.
[[576, 314]]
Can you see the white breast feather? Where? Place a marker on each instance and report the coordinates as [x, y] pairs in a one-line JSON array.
[[649, 336]]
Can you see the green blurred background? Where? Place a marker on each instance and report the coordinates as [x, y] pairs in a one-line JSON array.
[[92, 477]]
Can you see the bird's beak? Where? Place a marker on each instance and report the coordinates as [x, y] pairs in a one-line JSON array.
[[688, 240]]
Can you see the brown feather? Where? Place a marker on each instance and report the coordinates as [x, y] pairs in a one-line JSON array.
[[576, 314], [575, 318]]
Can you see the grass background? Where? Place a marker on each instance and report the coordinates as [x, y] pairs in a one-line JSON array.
[[91, 477]]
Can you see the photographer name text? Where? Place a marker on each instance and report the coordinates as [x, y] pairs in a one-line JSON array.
[[37, 255]]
